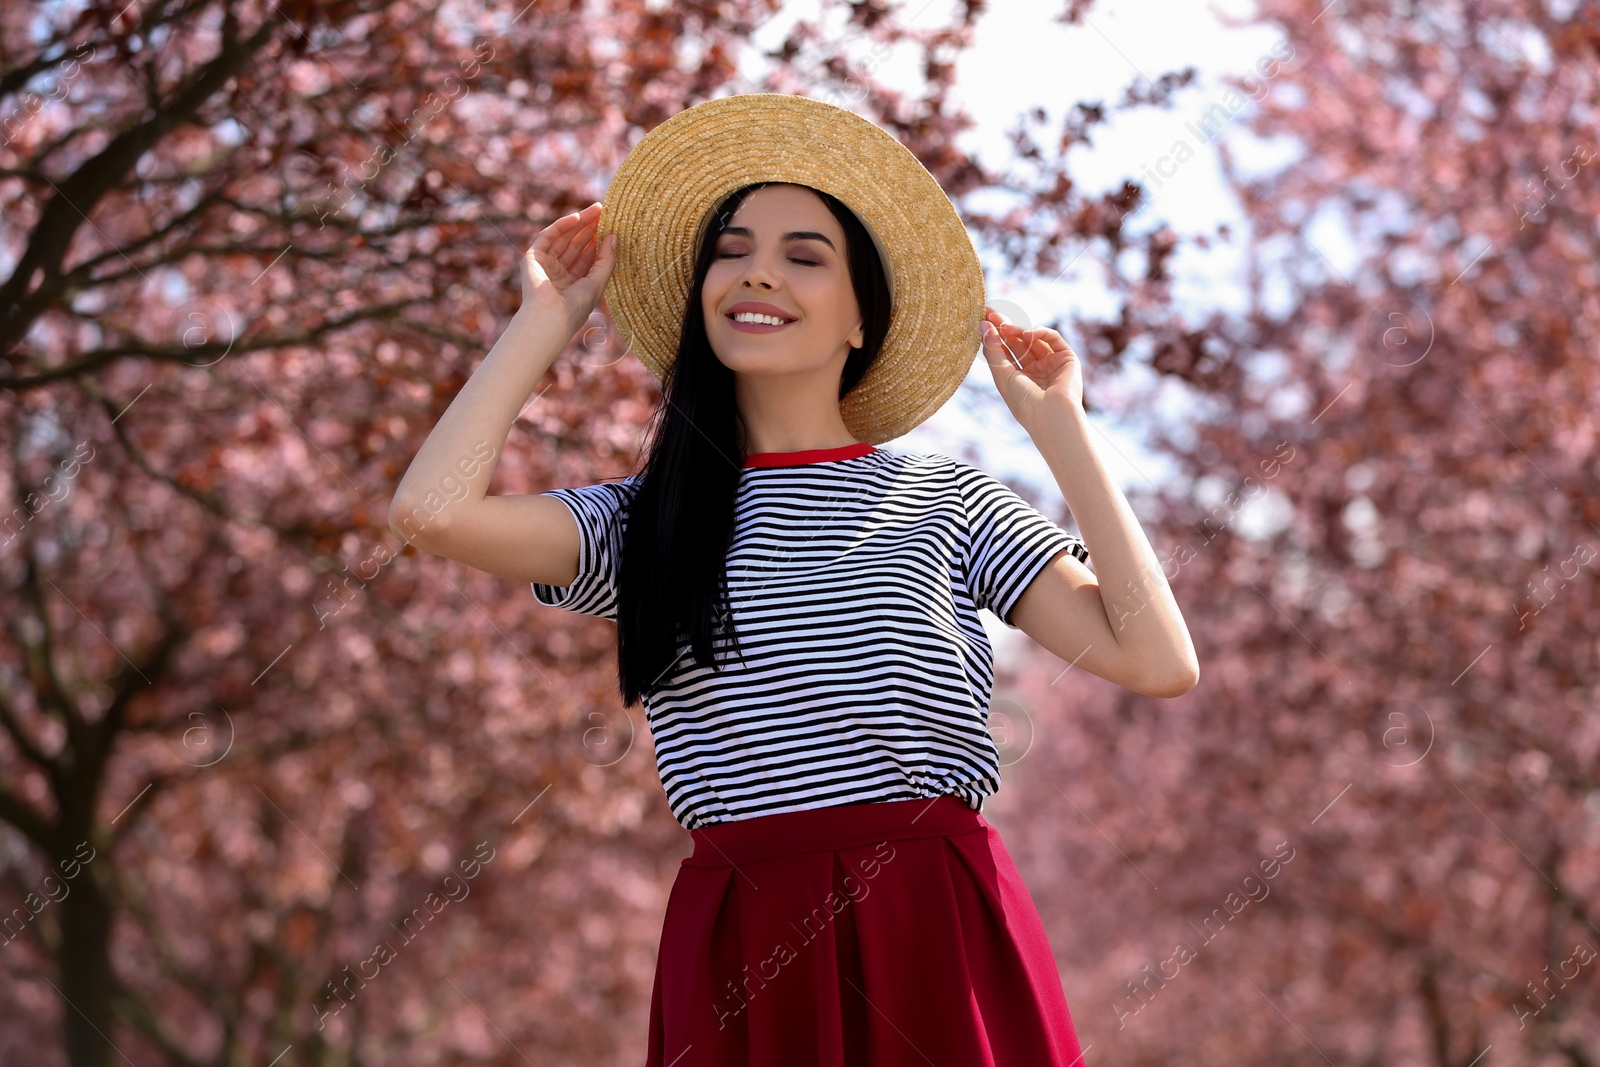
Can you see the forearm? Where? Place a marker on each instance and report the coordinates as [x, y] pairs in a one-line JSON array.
[[1142, 613], [458, 458]]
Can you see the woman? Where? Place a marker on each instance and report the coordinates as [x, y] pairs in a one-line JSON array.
[[797, 608]]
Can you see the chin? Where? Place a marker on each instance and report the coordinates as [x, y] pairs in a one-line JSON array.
[[748, 359]]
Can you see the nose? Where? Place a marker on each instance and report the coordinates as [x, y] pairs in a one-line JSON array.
[[756, 274]]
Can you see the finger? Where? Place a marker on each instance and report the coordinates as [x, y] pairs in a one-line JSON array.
[[558, 237], [1015, 343], [567, 228], [1014, 335], [599, 258], [1002, 352], [1053, 342], [547, 237], [584, 267], [587, 251], [995, 350], [605, 260], [1029, 344], [588, 231], [588, 222], [579, 255], [562, 227]]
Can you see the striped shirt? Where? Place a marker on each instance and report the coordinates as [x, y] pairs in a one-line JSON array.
[[855, 576]]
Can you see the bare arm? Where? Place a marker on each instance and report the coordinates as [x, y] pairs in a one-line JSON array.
[[1119, 621], [442, 504]]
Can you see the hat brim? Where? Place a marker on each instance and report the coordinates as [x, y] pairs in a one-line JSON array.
[[660, 201]]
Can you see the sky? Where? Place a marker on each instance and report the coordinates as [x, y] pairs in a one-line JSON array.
[[1053, 66], [1022, 60]]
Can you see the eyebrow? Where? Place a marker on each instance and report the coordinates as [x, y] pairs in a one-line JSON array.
[[792, 235]]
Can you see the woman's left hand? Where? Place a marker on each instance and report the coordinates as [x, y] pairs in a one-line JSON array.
[[1034, 370]]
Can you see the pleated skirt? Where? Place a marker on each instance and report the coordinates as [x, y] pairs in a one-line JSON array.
[[891, 934]]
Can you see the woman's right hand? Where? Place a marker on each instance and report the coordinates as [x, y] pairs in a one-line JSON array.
[[566, 271]]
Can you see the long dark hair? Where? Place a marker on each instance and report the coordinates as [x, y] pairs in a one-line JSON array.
[[673, 576]]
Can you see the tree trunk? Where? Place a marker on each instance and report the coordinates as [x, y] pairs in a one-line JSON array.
[[85, 962]]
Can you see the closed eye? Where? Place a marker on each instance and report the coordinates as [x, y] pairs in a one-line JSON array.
[[792, 259]]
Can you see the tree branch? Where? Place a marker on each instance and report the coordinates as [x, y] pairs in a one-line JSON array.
[[29, 823], [187, 354], [77, 196]]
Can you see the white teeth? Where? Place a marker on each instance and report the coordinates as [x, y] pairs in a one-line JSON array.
[[751, 316]]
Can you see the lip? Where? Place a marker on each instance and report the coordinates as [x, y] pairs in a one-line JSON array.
[[759, 308]]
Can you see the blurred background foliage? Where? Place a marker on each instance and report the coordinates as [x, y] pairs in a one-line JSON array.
[[274, 788]]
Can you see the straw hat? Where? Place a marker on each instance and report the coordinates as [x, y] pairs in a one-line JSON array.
[[660, 202]]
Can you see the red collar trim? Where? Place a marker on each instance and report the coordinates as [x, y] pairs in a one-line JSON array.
[[809, 455]]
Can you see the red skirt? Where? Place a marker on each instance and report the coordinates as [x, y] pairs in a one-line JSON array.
[[889, 934]]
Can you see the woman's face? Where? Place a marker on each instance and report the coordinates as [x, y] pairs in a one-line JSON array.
[[782, 248]]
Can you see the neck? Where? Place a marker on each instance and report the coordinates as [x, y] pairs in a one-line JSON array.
[[790, 413]]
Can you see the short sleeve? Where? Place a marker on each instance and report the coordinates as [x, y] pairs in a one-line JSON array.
[[600, 511], [1008, 541]]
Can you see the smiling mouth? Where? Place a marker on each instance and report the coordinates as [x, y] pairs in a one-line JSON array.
[[732, 317], [758, 327]]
